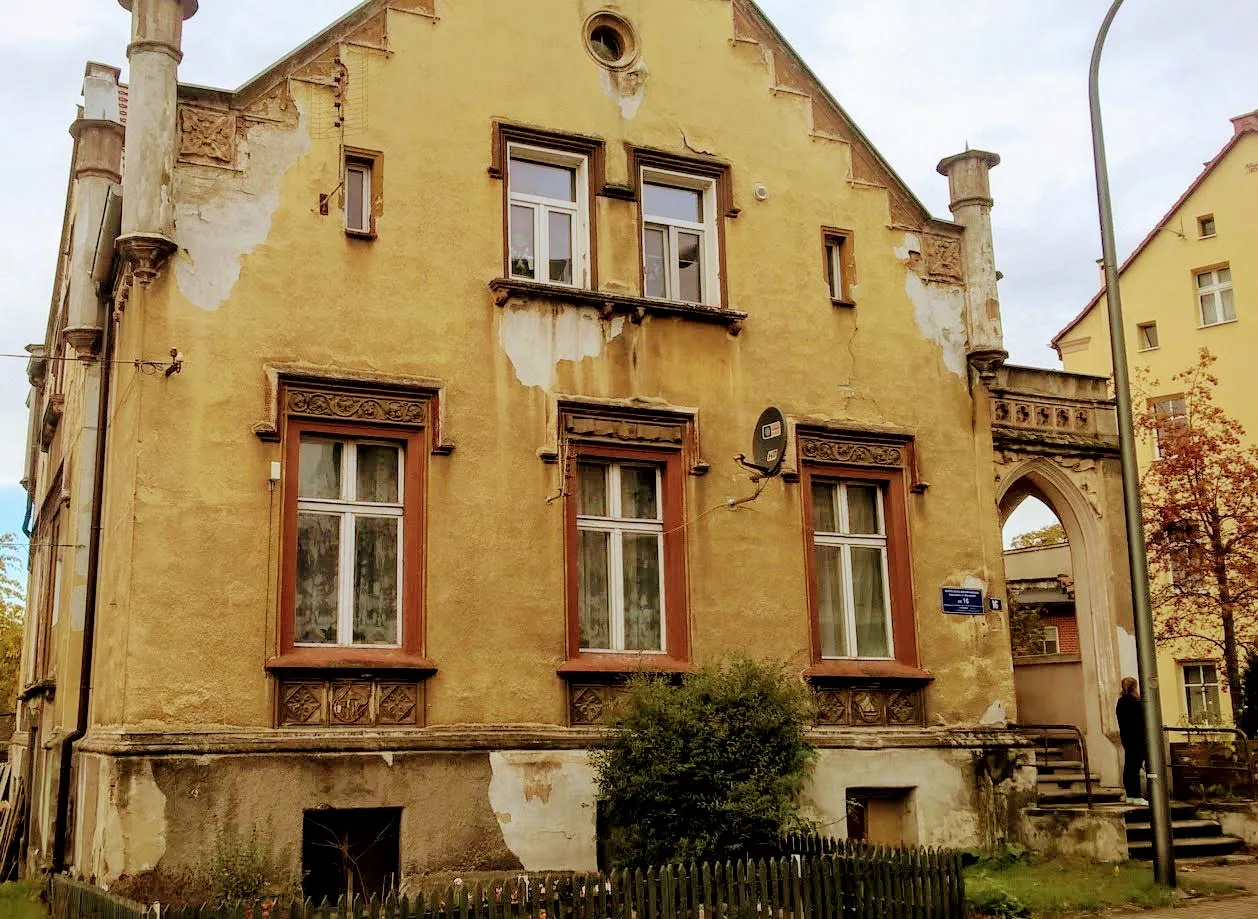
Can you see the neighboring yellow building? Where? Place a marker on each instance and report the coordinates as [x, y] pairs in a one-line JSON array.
[[388, 414], [1192, 283]]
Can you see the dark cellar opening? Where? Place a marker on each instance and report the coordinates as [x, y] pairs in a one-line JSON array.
[[350, 852]]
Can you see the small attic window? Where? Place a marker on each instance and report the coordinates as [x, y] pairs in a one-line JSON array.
[[611, 40], [1205, 226]]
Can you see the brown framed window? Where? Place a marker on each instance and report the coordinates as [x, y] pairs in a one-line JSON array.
[[1171, 413], [860, 582], [626, 556], [352, 555], [839, 265], [363, 184]]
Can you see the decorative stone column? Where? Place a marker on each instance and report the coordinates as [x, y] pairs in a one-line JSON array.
[[148, 215], [98, 135], [971, 205]]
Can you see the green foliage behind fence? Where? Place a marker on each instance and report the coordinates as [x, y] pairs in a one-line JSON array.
[[830, 879]]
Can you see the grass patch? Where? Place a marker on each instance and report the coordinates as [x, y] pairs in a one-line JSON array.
[[21, 901], [1009, 888]]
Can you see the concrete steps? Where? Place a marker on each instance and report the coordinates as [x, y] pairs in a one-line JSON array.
[[1191, 836]]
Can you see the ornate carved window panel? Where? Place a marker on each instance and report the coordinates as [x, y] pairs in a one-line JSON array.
[[300, 391], [855, 486]]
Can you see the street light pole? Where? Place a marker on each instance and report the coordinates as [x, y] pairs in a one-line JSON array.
[[1163, 853]]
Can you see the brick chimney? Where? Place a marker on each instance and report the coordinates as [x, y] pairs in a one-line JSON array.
[[148, 218], [971, 205], [1246, 122]]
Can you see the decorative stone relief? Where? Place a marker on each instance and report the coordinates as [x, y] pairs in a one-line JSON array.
[[943, 256], [1084, 472], [207, 134], [855, 454], [591, 704], [1020, 413], [349, 703], [869, 706], [315, 403]]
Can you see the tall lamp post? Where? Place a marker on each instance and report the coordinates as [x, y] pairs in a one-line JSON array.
[[1163, 854]]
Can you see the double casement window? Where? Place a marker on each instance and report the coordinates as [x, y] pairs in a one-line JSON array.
[[620, 556], [349, 542], [548, 216], [1201, 693], [850, 550], [1214, 296], [680, 249]]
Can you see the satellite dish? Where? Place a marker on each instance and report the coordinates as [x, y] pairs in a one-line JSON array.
[[768, 443]]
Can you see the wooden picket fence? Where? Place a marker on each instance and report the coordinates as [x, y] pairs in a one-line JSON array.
[[843, 881]]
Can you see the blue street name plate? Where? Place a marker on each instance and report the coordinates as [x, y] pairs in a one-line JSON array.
[[962, 601]]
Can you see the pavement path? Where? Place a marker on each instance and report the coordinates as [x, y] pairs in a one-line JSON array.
[[1239, 907]]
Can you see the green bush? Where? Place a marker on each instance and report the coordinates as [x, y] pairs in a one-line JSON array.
[[242, 867], [708, 768]]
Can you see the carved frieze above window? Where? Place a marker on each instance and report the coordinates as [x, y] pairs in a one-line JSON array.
[[319, 402], [625, 430], [350, 703], [849, 453], [205, 134], [647, 426]]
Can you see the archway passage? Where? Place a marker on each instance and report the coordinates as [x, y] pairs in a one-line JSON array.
[[1043, 621], [1066, 585]]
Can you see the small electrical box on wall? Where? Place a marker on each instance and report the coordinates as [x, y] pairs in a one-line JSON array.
[[275, 472]]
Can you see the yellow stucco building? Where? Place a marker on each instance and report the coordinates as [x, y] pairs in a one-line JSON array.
[[388, 414], [1192, 283]]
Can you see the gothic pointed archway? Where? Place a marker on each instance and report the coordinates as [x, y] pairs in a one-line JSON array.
[[1054, 441]]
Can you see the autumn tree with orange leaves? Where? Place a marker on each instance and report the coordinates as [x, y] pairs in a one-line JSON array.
[[1200, 499]]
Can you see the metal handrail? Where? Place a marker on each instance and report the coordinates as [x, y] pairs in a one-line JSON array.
[[1045, 729], [1246, 766]]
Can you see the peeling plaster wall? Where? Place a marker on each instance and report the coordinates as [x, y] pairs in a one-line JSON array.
[[131, 837], [545, 804], [942, 805], [536, 337], [222, 217], [1097, 836], [938, 308]]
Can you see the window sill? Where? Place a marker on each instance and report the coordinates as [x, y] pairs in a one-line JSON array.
[[865, 670], [610, 304], [353, 659], [1215, 325], [360, 234], [623, 665], [843, 301], [1023, 660]]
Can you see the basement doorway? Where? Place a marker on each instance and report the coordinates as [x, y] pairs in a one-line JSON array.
[[352, 852]]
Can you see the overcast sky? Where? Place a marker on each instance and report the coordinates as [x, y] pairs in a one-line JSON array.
[[922, 78]]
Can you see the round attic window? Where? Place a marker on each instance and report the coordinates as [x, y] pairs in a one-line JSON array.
[[611, 40]]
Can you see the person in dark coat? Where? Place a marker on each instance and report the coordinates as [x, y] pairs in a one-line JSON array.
[[1130, 711]]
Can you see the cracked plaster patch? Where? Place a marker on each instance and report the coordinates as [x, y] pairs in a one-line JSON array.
[[221, 222], [537, 337], [939, 309]]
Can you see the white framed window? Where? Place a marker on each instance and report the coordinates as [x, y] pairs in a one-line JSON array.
[[1171, 414], [548, 216], [1147, 334], [1049, 640], [836, 277], [349, 543], [680, 248], [1201, 692], [850, 552], [620, 556], [357, 196], [1214, 296]]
